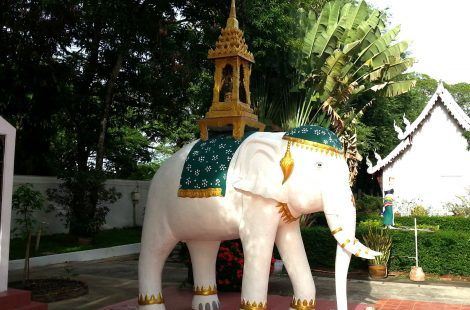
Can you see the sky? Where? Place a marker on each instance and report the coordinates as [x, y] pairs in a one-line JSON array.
[[438, 32]]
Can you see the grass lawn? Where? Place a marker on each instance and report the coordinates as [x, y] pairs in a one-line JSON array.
[[63, 243]]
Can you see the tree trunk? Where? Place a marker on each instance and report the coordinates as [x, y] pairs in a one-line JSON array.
[[26, 260], [107, 107]]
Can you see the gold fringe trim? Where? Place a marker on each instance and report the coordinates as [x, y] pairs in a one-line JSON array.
[[152, 300], [246, 305], [298, 304], [211, 290], [329, 150], [287, 163], [286, 216], [200, 193]]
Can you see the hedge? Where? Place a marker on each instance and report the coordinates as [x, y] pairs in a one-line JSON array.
[[454, 223], [441, 252]]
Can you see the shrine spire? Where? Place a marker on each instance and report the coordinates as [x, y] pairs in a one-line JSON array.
[[232, 21]]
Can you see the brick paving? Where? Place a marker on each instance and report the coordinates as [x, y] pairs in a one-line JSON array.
[[177, 299], [395, 304]]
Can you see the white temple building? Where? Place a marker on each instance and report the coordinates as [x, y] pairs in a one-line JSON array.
[[431, 165]]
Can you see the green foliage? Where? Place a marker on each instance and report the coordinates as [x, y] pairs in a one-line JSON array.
[[378, 239], [445, 223], [368, 203], [381, 116], [229, 266], [64, 243], [461, 94], [26, 202], [441, 252], [439, 222], [347, 52], [419, 211], [346, 59], [82, 202], [461, 207], [466, 134]]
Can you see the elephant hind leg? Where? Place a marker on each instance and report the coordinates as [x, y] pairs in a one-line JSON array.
[[153, 254], [203, 258]]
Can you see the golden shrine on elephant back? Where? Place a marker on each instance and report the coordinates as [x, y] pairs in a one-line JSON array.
[[231, 101]]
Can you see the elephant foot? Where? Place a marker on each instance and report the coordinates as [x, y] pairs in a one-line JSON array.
[[210, 302], [152, 307]]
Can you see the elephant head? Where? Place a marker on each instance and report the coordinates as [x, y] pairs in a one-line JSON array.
[[305, 171]]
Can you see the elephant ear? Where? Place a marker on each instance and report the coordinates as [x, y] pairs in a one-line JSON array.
[[257, 169]]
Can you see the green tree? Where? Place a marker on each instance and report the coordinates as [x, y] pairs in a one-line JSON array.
[[26, 202], [347, 58]]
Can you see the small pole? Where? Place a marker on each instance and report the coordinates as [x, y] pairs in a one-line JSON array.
[[38, 237], [416, 243]]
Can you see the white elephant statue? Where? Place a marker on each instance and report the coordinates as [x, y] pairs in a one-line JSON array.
[[271, 180]]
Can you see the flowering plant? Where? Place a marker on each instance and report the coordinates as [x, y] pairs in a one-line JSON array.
[[229, 266]]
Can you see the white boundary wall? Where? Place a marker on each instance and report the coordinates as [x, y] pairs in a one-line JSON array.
[[80, 256], [120, 213]]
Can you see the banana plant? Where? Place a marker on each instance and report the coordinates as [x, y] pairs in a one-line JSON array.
[[345, 53]]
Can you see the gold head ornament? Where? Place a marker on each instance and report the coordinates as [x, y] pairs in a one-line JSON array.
[[287, 163]]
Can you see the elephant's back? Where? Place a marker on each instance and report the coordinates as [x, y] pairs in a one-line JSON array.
[[168, 175]]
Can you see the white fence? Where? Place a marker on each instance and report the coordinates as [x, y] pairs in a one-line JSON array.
[[120, 213]]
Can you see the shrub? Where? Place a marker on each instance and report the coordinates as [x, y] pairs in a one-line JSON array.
[[229, 266], [441, 222], [368, 203], [419, 211], [461, 207], [84, 202], [441, 252], [405, 207]]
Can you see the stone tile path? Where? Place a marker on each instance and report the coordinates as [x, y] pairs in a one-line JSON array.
[[114, 281], [395, 304]]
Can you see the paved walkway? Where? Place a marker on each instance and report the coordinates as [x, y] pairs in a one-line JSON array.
[[114, 281]]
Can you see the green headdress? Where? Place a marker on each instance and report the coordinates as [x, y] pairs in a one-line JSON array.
[[311, 137]]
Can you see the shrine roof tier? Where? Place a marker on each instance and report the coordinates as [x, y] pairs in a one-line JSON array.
[[231, 43]]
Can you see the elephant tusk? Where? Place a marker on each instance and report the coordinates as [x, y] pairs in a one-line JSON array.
[[368, 250], [343, 245], [337, 230]]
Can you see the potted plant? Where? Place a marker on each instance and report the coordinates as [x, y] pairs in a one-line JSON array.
[[378, 239]]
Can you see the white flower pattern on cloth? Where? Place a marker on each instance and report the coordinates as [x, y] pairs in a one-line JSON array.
[[208, 161], [317, 134]]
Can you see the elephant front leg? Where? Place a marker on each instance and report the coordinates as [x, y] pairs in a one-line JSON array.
[[290, 245], [258, 231], [203, 259]]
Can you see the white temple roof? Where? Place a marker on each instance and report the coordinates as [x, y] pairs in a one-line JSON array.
[[448, 102]]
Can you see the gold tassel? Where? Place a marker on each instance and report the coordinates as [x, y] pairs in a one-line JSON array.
[[287, 163]]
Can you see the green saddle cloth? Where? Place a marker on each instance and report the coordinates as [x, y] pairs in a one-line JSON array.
[[205, 169]]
